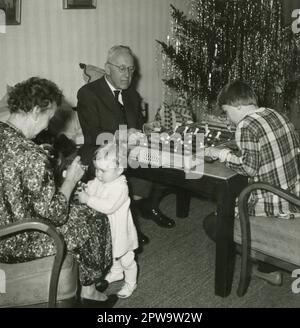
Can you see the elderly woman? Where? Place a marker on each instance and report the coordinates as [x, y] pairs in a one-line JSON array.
[[27, 190]]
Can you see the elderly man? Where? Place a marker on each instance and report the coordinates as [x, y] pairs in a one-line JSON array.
[[111, 101]]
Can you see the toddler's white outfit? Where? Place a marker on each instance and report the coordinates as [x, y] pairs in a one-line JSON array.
[[112, 199]]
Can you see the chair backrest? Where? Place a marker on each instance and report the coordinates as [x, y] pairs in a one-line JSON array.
[[47, 228], [91, 72], [246, 232]]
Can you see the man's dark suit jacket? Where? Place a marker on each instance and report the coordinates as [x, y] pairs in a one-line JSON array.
[[99, 112]]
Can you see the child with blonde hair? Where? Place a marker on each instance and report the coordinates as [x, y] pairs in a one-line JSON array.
[[108, 193]]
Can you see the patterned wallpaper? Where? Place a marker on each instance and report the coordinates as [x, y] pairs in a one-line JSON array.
[[50, 42]]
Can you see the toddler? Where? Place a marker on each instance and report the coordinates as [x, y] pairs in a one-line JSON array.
[[108, 193]]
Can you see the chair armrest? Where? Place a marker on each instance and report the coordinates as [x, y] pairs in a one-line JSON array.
[[245, 226], [47, 228]]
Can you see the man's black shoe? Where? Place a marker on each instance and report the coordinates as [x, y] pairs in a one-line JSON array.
[[154, 214], [109, 303], [159, 218]]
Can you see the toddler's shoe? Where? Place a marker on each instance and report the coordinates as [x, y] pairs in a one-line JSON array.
[[112, 277], [126, 290]]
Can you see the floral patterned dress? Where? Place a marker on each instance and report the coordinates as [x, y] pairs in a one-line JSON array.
[[28, 191]]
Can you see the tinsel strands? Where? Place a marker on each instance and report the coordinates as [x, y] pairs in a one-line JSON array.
[[218, 41]]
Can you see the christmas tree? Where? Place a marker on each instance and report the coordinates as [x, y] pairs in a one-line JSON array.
[[219, 41]]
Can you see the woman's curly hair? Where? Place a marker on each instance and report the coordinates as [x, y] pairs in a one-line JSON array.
[[33, 92]]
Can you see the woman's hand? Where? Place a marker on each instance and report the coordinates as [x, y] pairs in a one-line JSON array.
[[134, 136], [75, 171], [73, 174], [130, 136]]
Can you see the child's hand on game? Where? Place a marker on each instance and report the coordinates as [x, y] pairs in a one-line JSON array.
[[212, 152], [217, 153]]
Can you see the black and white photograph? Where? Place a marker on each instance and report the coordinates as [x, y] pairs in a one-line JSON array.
[[79, 4], [12, 10], [150, 158]]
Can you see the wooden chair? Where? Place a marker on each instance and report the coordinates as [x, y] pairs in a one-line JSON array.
[[26, 282], [269, 239]]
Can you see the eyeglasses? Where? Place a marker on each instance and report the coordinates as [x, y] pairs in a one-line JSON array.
[[123, 68]]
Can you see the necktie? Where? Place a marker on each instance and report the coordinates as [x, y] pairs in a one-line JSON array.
[[117, 92], [121, 106]]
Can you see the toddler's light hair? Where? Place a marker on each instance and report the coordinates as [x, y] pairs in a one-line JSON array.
[[116, 154]]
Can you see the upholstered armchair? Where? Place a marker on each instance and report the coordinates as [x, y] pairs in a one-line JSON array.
[[269, 239], [43, 280], [91, 73]]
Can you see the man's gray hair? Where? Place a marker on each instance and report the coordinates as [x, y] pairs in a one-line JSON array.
[[116, 50]]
